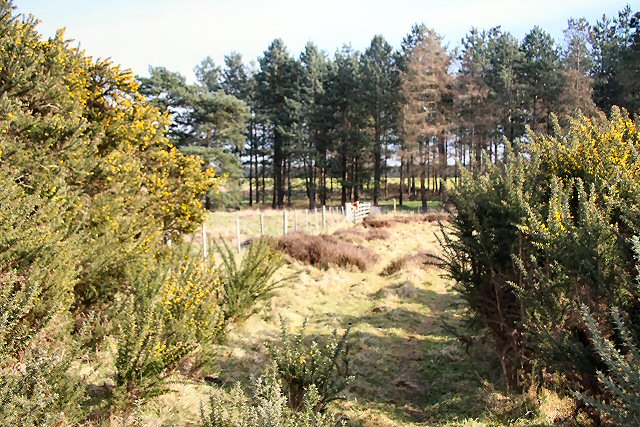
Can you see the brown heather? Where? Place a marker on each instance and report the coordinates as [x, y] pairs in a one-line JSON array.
[[324, 250]]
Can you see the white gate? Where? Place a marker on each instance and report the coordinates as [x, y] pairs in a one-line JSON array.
[[356, 212]]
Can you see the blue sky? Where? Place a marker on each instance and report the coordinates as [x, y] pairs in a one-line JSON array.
[[179, 34]]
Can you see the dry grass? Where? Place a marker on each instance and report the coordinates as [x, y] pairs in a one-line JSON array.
[[439, 216], [376, 223], [422, 259], [377, 234], [324, 250], [350, 235], [358, 235]]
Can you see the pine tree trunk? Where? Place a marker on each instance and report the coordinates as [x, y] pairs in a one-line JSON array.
[[250, 165], [423, 189], [401, 180], [377, 158]]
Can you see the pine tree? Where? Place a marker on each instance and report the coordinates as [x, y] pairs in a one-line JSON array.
[[426, 87], [381, 85], [577, 91], [540, 74], [277, 97]]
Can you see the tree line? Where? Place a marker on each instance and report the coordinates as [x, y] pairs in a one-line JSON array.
[[416, 112]]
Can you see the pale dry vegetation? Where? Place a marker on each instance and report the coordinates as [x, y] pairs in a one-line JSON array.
[[423, 259]]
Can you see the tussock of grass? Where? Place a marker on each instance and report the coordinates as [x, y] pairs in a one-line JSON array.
[[323, 250], [376, 223], [350, 235], [356, 235], [377, 234], [421, 259]]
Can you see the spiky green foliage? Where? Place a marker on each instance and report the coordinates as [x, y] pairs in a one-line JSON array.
[[249, 278], [36, 292], [622, 375], [144, 359], [90, 189], [543, 233], [477, 252], [323, 365], [172, 310], [76, 133], [265, 407]]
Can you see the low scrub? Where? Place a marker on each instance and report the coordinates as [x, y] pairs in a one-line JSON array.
[[439, 216], [350, 234], [324, 250], [356, 235], [301, 366], [377, 234], [249, 279], [265, 406], [376, 223]]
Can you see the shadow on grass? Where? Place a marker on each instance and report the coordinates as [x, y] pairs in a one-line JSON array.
[[409, 367]]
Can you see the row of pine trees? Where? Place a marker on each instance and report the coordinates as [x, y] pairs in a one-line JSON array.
[[359, 117]]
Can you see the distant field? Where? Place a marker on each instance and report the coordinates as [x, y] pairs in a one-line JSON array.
[[299, 195]]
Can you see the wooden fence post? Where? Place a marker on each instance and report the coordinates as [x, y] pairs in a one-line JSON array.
[[295, 221], [261, 223], [394, 205], [285, 222], [324, 217], [315, 217], [238, 232]]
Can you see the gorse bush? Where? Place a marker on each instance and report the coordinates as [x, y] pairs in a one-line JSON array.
[[172, 311], [76, 133], [622, 376], [91, 189], [144, 358], [543, 233], [301, 365], [249, 279], [266, 407], [36, 292]]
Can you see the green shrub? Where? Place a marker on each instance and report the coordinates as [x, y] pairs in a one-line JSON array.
[[548, 230], [172, 310], [248, 280], [478, 244], [265, 407], [36, 292], [622, 376], [144, 359], [300, 365]]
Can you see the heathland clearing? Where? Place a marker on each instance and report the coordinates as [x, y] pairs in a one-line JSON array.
[[410, 368]]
